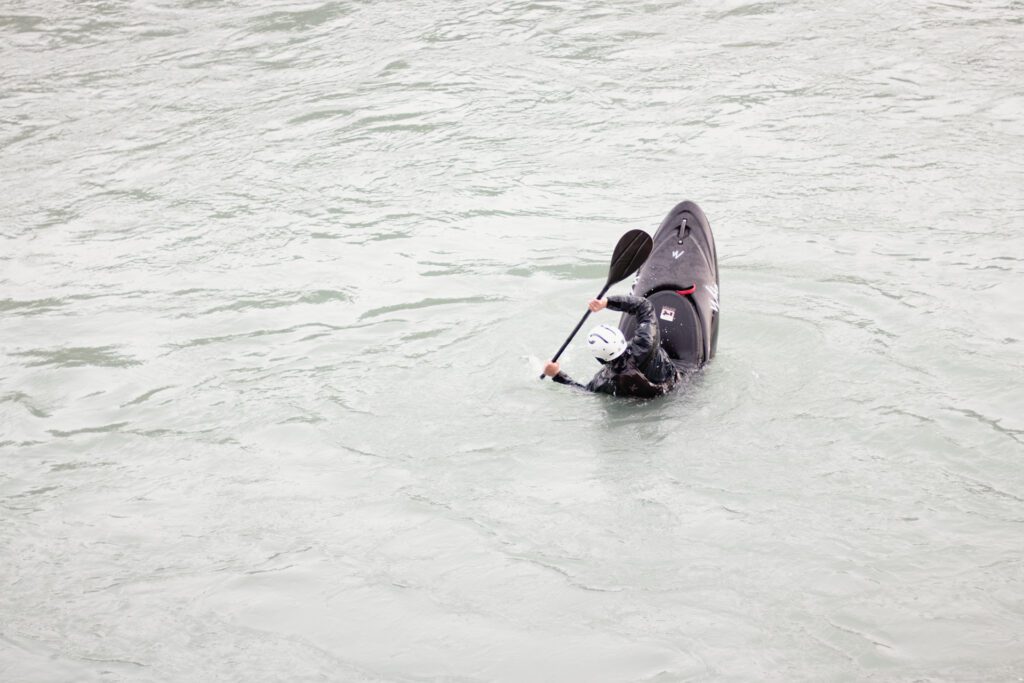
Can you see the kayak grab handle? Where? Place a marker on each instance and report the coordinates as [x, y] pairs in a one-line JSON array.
[[682, 231]]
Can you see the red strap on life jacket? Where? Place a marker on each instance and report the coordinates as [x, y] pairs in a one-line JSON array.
[[684, 292]]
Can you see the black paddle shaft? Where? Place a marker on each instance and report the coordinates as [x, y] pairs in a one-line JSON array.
[[576, 329], [630, 253]]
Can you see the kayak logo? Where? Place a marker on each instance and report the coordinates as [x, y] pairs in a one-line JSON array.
[[676, 254], [713, 291], [668, 313]]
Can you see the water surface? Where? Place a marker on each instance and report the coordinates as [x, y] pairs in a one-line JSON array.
[[277, 280]]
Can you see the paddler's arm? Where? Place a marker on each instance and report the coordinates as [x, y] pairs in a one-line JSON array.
[[634, 305], [643, 338], [553, 371]]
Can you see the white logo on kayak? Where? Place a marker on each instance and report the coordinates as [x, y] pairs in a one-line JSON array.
[[668, 313], [677, 254], [713, 291]]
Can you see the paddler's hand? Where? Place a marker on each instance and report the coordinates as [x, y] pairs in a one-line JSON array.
[[596, 305], [551, 369]]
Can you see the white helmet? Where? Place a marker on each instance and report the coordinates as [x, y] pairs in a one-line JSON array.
[[606, 342]]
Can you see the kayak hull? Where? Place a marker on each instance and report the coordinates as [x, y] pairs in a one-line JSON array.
[[680, 278]]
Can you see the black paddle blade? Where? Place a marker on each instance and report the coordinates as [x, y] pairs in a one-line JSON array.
[[630, 253]]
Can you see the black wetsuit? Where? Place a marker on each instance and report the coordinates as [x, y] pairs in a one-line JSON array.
[[644, 369]]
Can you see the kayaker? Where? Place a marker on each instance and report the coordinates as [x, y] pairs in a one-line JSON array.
[[639, 367]]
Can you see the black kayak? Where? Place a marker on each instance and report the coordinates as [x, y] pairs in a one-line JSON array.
[[680, 278]]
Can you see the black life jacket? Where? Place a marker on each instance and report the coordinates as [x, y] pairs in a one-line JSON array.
[[632, 382]]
